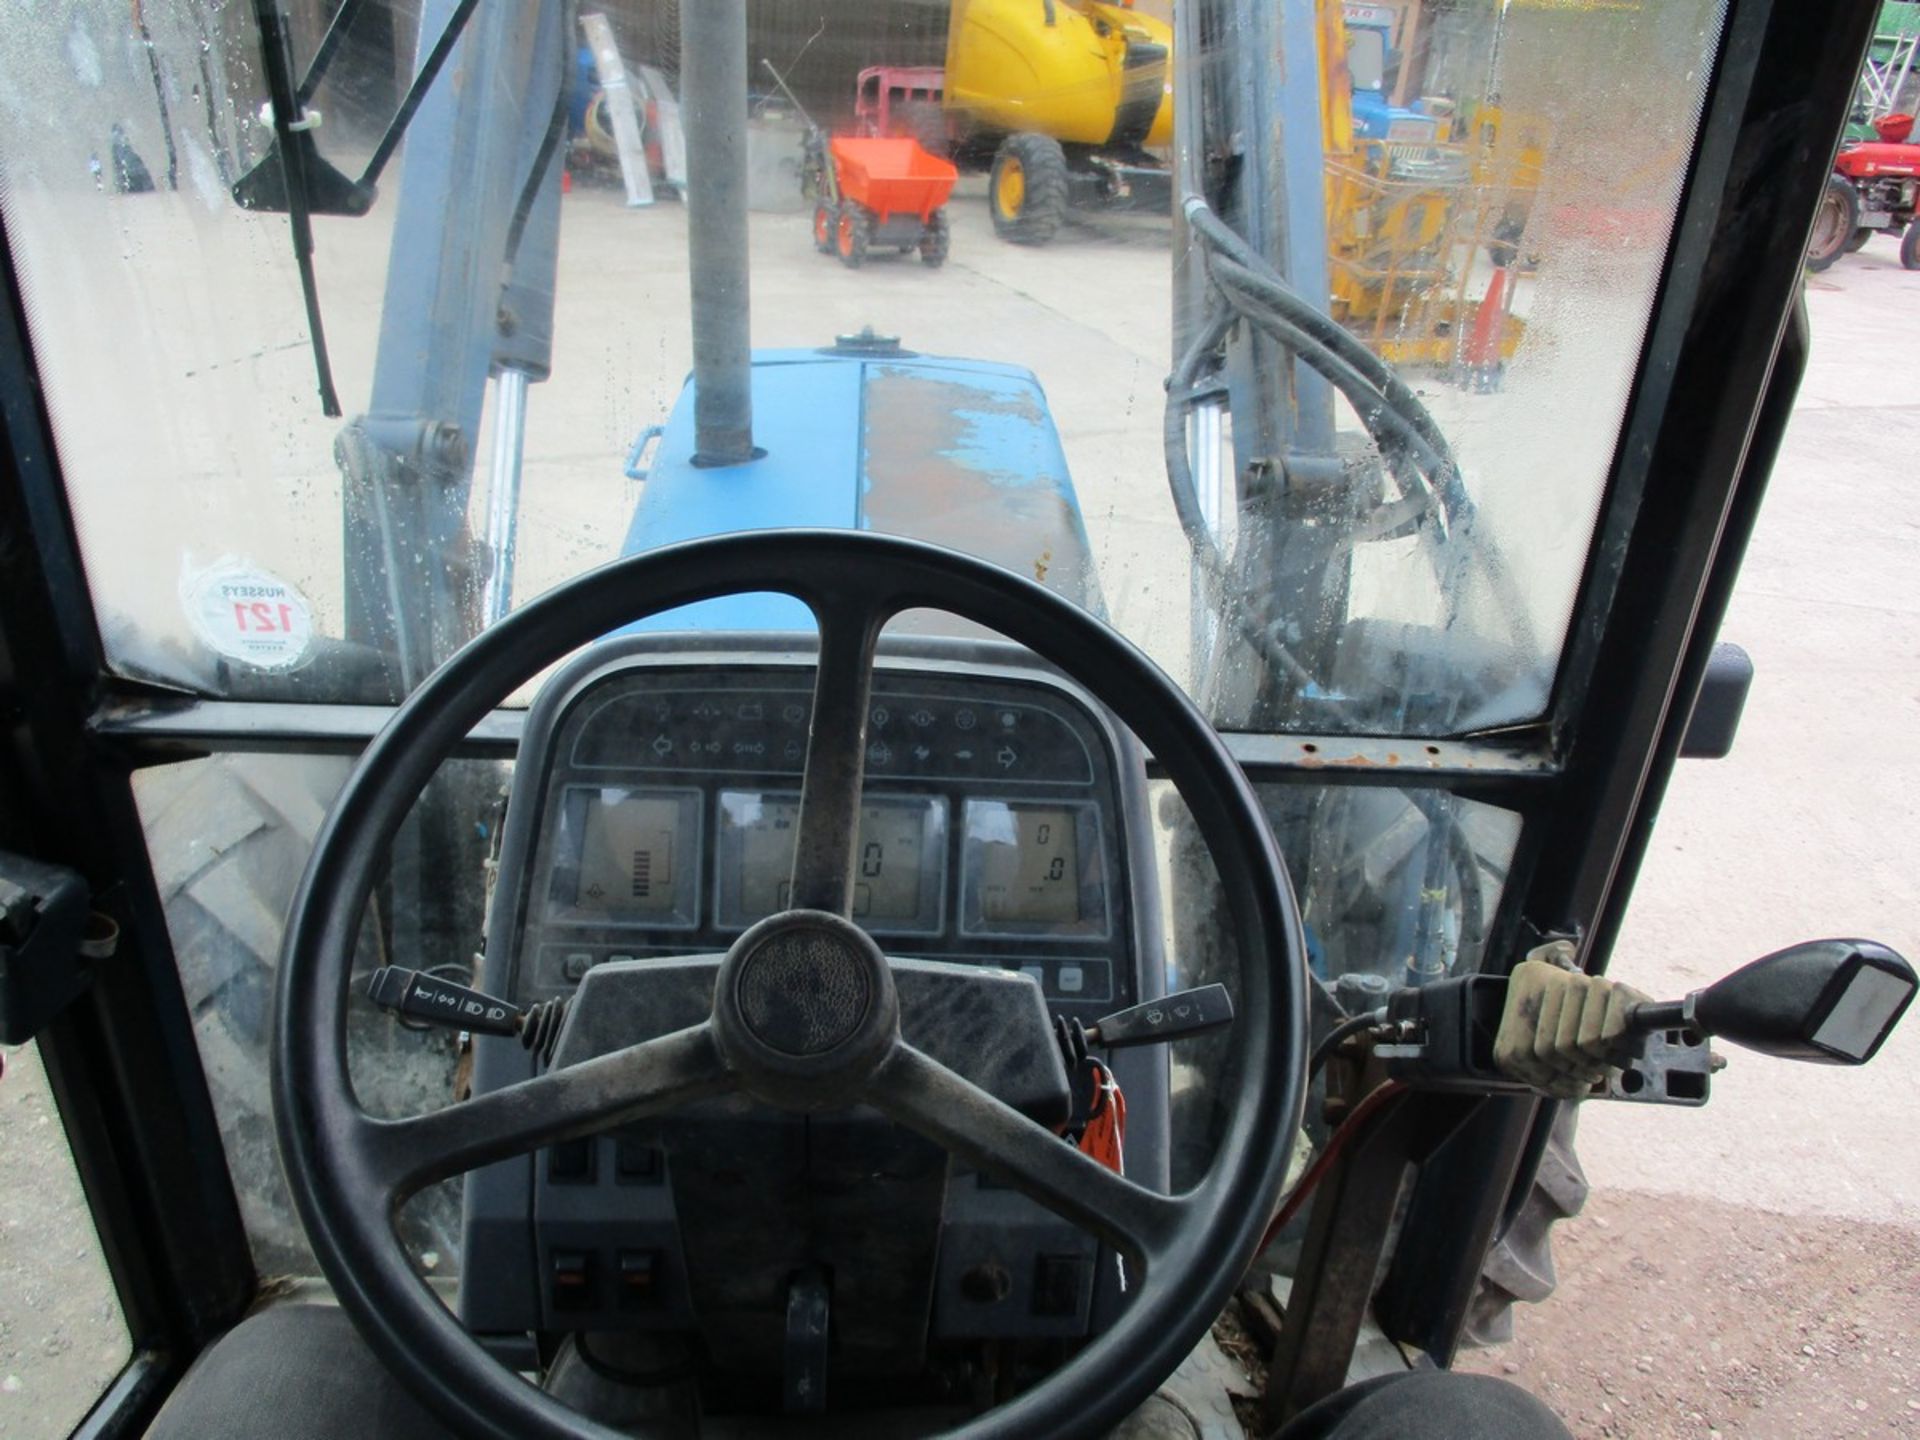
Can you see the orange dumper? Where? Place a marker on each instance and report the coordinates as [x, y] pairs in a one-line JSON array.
[[878, 192]]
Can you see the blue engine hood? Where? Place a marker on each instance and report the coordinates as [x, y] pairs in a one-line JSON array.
[[959, 452]]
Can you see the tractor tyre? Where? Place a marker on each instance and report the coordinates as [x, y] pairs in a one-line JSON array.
[[826, 221], [1027, 191], [1833, 223], [935, 241], [1519, 1266], [853, 233], [1910, 247], [1858, 240], [229, 837]]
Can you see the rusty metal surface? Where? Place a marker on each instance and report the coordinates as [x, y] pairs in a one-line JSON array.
[[969, 458]]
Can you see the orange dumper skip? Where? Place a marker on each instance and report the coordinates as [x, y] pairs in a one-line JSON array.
[[883, 192]]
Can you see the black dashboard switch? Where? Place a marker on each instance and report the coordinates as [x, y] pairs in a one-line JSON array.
[[635, 1161], [571, 1162], [639, 1270], [1057, 1282], [571, 1274]]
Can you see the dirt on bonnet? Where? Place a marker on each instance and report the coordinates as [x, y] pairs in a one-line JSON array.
[[1679, 1317]]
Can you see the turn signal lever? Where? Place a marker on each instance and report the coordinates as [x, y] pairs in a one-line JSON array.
[[1576, 1036], [1171, 1017], [420, 996]]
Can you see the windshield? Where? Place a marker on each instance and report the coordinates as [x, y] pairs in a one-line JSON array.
[[359, 335], [1385, 534], [1367, 58]]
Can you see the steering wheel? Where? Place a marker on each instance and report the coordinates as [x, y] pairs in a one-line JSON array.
[[805, 1014]]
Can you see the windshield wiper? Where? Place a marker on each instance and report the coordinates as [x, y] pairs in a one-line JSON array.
[[295, 177], [280, 180]]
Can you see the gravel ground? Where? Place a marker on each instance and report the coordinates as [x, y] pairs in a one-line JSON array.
[[1697, 1318], [61, 1338]]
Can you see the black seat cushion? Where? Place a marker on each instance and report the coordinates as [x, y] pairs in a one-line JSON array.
[[293, 1372]]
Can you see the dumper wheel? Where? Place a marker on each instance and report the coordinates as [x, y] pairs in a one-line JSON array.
[[1859, 240], [1027, 191], [825, 222], [853, 234], [1910, 247], [1833, 223], [935, 241]]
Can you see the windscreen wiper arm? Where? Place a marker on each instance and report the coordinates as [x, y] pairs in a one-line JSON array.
[[294, 176], [285, 170]]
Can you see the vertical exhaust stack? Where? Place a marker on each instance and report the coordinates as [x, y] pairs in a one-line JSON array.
[[713, 98]]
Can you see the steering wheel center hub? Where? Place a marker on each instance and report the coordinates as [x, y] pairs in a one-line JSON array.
[[804, 1008]]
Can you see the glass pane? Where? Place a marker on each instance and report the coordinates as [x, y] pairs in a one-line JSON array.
[[62, 1338], [1405, 561], [229, 837], [1396, 887], [1490, 189]]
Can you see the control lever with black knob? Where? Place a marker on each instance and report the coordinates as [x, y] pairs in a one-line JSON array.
[[1561, 1032]]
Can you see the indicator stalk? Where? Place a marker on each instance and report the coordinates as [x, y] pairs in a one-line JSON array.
[[427, 998]]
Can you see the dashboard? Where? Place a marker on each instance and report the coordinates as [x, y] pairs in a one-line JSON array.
[[1003, 827], [989, 827]]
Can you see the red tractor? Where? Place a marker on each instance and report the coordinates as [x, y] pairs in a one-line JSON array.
[[1874, 186]]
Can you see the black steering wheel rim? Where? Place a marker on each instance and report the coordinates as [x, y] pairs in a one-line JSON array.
[[348, 1213]]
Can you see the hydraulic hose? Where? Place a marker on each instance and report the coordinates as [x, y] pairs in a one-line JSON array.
[[1186, 492], [1368, 402], [1382, 400], [1220, 239]]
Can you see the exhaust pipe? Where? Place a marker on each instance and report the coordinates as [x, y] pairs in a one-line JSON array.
[[713, 100]]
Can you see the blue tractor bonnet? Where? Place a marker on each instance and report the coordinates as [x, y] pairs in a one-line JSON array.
[[962, 453]]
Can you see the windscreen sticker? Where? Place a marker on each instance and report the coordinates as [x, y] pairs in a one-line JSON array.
[[249, 615]]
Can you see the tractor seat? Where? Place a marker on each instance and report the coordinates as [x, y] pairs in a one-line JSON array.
[[296, 1371]]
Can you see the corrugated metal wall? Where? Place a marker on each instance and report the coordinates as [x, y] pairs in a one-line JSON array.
[[820, 45]]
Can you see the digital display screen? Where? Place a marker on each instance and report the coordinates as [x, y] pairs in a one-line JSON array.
[[897, 871], [626, 857], [1033, 869], [1033, 872], [627, 853]]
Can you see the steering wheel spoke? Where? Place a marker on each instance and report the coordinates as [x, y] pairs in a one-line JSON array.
[[928, 1098], [643, 1080], [828, 833]]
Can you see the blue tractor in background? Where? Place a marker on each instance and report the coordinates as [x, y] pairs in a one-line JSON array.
[[1371, 64]]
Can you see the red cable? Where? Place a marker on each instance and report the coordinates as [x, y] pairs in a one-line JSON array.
[[1363, 1115]]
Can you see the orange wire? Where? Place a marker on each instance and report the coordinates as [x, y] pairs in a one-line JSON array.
[[1106, 1133]]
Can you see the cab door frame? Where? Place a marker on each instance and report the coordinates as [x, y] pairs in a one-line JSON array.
[[1717, 375]]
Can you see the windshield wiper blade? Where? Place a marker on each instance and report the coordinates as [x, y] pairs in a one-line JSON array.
[[295, 153], [327, 191], [294, 176]]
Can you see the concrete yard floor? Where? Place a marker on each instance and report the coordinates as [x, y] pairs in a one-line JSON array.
[[1781, 1223]]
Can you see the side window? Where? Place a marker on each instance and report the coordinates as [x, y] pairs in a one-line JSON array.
[[62, 1337], [229, 837]]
